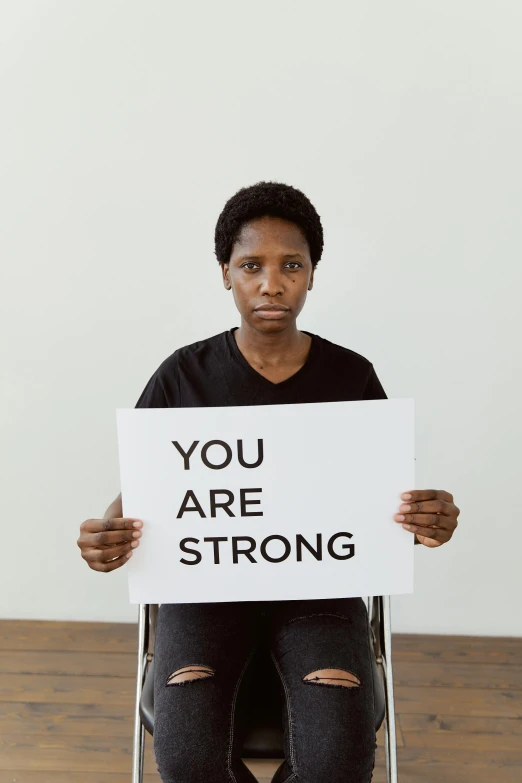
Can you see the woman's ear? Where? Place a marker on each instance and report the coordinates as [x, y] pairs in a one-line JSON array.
[[226, 276], [311, 283]]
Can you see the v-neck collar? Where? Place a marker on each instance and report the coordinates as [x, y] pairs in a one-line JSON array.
[[238, 356]]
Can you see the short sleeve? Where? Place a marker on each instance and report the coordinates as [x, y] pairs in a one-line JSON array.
[[373, 389], [153, 395]]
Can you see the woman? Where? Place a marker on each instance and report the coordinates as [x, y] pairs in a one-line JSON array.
[[268, 241]]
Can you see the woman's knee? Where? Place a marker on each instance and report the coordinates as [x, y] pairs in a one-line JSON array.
[[191, 725], [179, 761], [330, 766]]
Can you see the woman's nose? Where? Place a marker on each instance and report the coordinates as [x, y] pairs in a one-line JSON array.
[[272, 284]]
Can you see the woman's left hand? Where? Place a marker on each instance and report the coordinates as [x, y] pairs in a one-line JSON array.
[[429, 513]]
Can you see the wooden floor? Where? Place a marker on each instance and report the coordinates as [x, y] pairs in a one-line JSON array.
[[67, 700]]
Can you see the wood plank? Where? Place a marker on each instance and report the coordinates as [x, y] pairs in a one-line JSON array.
[[121, 691], [79, 754], [99, 754], [69, 690], [59, 663], [75, 753], [124, 665], [457, 675], [418, 673], [58, 718], [466, 740], [489, 726], [123, 637], [500, 650], [480, 734], [477, 702], [263, 769], [81, 636], [72, 719], [414, 772], [465, 757], [409, 773]]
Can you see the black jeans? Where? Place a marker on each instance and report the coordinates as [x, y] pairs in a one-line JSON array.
[[329, 728]]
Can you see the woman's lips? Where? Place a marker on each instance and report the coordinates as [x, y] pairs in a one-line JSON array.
[[272, 312]]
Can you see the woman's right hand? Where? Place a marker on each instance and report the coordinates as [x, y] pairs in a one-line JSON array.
[[107, 544]]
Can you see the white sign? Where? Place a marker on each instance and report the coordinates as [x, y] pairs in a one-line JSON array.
[[268, 502]]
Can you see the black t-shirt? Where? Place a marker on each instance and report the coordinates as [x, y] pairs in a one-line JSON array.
[[214, 372]]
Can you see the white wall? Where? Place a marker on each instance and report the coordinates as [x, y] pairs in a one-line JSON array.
[[125, 127]]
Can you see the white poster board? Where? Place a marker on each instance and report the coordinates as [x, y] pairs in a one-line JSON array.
[[302, 506]]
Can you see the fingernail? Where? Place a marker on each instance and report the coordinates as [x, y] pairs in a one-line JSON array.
[[406, 496], [407, 527], [137, 523], [128, 554], [136, 534], [400, 518], [135, 543], [405, 508]]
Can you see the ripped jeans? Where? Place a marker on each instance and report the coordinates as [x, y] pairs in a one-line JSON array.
[[322, 655]]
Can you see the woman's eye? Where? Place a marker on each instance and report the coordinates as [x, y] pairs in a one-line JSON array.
[[293, 265], [249, 265]]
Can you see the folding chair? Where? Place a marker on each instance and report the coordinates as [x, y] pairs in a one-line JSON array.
[[264, 736]]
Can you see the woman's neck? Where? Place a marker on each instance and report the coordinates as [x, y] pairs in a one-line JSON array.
[[288, 348]]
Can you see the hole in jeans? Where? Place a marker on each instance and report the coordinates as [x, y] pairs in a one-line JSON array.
[[335, 678], [189, 674]]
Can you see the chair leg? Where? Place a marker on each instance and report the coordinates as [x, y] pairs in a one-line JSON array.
[[139, 730], [142, 751], [390, 729]]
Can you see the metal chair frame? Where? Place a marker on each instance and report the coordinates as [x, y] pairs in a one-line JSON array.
[[379, 613]]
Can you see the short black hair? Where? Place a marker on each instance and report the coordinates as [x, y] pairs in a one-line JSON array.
[[267, 198]]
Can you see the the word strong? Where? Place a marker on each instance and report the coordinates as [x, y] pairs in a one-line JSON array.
[[221, 456]]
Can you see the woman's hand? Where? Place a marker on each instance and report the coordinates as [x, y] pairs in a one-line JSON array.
[[107, 544], [429, 513]]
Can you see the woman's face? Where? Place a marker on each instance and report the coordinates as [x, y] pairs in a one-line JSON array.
[[270, 273]]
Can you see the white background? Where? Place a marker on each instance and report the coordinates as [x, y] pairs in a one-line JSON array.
[[126, 126]]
